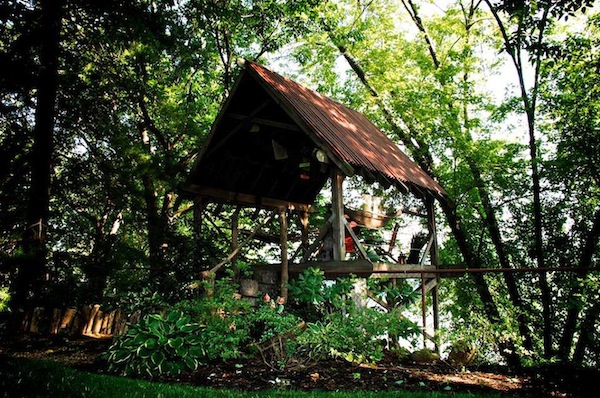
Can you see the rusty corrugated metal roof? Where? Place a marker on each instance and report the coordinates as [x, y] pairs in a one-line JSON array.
[[347, 134]]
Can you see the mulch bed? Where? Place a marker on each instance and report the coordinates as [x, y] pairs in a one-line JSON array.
[[335, 375]]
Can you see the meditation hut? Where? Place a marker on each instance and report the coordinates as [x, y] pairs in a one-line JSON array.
[[275, 144]]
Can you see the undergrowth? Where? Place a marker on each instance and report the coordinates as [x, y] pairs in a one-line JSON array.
[[29, 378]]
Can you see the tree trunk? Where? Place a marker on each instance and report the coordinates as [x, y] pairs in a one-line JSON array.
[[573, 313], [29, 279], [588, 329], [491, 223], [529, 104]]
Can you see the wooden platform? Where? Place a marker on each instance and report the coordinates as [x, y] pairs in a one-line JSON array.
[[363, 268]]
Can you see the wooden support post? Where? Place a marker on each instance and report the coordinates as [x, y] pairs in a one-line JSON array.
[[284, 253], [235, 233], [424, 309], [434, 255], [304, 232], [322, 233], [198, 211], [199, 205], [337, 212], [436, 316]]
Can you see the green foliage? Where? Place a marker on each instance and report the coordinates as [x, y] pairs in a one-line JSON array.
[[231, 323], [158, 345], [222, 315], [355, 337], [311, 297], [4, 299], [341, 330], [267, 322]]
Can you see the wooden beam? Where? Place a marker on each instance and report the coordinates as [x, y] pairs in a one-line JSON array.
[[284, 253], [235, 232], [311, 249], [337, 212], [407, 271], [334, 267], [245, 122], [304, 231], [264, 122], [424, 309], [359, 246], [224, 196]]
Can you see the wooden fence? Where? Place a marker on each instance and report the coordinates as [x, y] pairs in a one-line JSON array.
[[88, 320]]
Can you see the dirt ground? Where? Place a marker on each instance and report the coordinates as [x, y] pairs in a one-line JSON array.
[[254, 374]]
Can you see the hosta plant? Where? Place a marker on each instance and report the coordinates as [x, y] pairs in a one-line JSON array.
[[157, 345]]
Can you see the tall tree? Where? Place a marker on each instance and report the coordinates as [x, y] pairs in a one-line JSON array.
[[525, 33], [570, 98], [30, 274]]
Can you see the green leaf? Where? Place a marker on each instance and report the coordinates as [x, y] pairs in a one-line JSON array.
[[175, 342], [182, 351], [143, 352], [196, 352], [139, 339], [151, 343], [173, 316], [158, 358], [191, 363], [193, 339], [183, 321], [189, 327]]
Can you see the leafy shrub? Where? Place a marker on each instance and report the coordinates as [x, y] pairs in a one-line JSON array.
[[311, 297], [355, 337], [341, 330], [231, 323], [225, 331], [267, 322], [158, 345]]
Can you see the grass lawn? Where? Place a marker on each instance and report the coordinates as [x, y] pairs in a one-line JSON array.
[[31, 378]]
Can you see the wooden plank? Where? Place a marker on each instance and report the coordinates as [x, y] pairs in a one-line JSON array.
[[235, 233], [337, 212], [304, 233], [427, 248], [360, 267], [336, 267], [224, 196], [359, 245], [424, 309], [401, 271], [434, 257]]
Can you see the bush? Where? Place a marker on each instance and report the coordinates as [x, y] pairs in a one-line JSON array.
[[267, 322], [343, 330], [231, 323], [158, 345], [311, 298], [355, 337], [225, 332]]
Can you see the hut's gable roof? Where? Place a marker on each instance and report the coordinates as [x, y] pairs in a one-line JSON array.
[[267, 133]]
